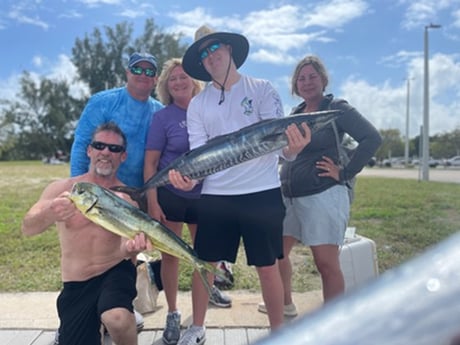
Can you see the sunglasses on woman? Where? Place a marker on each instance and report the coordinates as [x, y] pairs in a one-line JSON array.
[[100, 146], [138, 70]]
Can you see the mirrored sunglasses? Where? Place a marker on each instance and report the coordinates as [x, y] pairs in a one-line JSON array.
[[138, 70], [100, 146], [210, 48]]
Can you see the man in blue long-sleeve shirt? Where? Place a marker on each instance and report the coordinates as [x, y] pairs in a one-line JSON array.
[[131, 107]]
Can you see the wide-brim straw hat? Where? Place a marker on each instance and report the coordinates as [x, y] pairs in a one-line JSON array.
[[191, 62]]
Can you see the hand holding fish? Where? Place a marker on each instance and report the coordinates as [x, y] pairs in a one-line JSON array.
[[181, 182], [297, 139], [62, 207], [138, 244]]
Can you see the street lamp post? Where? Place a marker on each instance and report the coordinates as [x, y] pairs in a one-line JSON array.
[[426, 110], [406, 148]]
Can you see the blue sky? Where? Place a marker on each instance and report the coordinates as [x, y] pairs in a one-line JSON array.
[[371, 48]]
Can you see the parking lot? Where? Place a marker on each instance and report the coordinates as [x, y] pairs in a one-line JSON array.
[[440, 174]]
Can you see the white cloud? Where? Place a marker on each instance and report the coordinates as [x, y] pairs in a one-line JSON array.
[[423, 12], [70, 14], [9, 87], [63, 70], [456, 16], [17, 15], [335, 13], [272, 57], [275, 30], [66, 70], [93, 3], [37, 61], [400, 58], [385, 106]]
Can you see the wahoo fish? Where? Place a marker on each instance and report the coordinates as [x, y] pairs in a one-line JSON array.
[[227, 150], [114, 214]]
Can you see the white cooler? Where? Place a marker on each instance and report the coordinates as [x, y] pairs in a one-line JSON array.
[[358, 260]]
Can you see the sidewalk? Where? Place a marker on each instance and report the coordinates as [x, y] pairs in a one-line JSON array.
[[37, 310]]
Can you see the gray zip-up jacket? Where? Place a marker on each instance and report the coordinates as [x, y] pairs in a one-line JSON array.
[[300, 177]]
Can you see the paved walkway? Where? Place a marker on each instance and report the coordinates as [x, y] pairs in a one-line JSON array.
[[31, 319]]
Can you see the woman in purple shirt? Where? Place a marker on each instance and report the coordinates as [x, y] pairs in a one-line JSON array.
[[167, 139]]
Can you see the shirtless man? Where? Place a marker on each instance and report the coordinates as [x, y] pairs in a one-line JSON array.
[[98, 274]]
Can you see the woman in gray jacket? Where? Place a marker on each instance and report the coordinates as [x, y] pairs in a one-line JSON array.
[[315, 185]]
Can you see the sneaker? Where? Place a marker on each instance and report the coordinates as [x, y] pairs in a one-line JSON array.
[[139, 320], [194, 335], [226, 269], [289, 310], [220, 299], [171, 334]]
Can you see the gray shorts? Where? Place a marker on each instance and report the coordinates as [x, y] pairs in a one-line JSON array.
[[319, 218]]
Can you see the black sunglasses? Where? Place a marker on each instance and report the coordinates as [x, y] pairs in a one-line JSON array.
[[99, 145], [149, 72]]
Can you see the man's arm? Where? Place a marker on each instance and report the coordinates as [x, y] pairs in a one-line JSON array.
[[91, 117], [53, 206]]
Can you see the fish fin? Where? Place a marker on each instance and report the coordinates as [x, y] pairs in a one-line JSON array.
[[204, 277], [217, 272], [134, 193], [203, 268]]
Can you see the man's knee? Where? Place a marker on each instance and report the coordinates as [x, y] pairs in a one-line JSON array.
[[118, 319]]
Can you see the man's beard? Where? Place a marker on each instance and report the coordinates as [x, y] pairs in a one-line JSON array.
[[105, 170]]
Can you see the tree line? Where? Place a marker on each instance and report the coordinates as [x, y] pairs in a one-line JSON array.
[[42, 118]]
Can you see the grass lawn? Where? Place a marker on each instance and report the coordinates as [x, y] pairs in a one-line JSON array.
[[403, 217]]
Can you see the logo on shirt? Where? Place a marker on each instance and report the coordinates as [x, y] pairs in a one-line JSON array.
[[247, 106], [183, 124]]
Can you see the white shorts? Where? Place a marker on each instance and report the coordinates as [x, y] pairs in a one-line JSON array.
[[319, 218]]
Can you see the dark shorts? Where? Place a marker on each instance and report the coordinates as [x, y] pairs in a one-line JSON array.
[[80, 304], [177, 208], [256, 218]]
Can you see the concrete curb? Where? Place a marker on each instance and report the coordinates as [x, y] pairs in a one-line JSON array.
[[37, 310]]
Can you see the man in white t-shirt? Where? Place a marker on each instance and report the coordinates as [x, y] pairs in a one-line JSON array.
[[244, 201]]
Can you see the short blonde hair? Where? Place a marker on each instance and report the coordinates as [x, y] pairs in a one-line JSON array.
[[162, 85], [317, 65]]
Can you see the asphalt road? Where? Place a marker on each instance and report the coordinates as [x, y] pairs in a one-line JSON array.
[[435, 174]]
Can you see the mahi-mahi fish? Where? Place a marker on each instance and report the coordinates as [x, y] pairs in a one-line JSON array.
[[105, 208], [227, 150]]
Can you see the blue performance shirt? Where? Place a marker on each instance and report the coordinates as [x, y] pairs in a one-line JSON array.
[[132, 116]]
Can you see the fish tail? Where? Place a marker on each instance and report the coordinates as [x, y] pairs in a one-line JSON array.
[[204, 267]]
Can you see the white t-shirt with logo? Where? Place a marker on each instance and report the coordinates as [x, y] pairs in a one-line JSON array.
[[248, 101]]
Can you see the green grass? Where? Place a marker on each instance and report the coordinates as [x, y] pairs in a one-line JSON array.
[[403, 217]]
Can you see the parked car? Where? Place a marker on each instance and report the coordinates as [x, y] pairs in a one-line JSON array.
[[395, 161], [454, 161], [432, 163]]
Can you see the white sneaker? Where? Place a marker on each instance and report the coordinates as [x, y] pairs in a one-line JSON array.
[[289, 310], [194, 335], [139, 320]]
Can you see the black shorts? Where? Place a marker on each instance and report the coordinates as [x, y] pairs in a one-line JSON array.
[[256, 218], [177, 208], [80, 304]]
